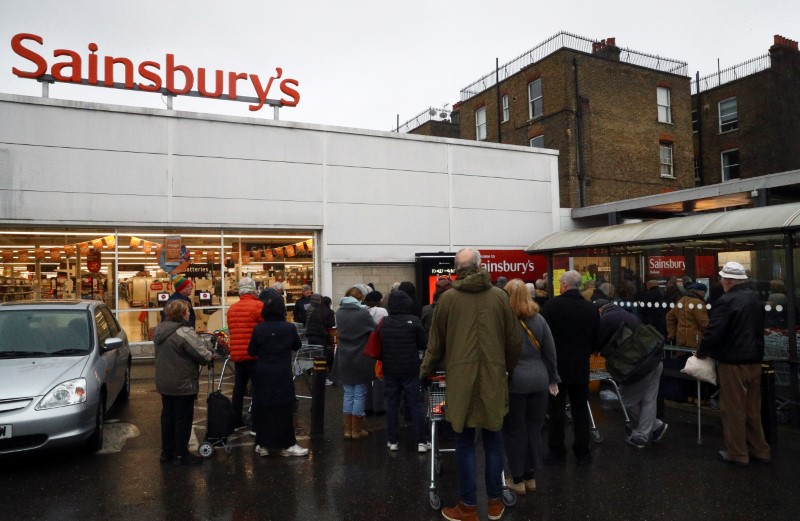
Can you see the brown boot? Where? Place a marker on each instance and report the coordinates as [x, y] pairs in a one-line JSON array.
[[358, 430], [495, 509], [348, 426]]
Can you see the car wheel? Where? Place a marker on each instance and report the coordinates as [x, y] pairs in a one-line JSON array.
[[125, 393], [95, 441]]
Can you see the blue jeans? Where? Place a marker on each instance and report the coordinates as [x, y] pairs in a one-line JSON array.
[[467, 469], [395, 387], [354, 398]]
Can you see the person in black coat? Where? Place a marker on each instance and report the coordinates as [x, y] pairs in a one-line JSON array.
[[654, 311], [574, 322], [272, 344], [402, 338]]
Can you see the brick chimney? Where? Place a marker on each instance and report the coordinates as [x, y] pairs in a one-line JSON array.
[[607, 49], [784, 54]]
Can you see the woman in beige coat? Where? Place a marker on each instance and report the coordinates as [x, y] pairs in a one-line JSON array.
[[688, 320]]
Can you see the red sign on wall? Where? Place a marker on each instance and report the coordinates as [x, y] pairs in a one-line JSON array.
[[156, 286], [513, 264], [666, 265]]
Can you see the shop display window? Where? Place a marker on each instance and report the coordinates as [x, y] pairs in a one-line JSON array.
[[125, 269]]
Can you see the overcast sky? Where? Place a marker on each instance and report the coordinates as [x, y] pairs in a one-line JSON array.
[[361, 63]]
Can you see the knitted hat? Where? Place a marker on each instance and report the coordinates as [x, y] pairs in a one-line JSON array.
[[247, 285], [179, 282], [316, 299], [697, 286], [363, 288]]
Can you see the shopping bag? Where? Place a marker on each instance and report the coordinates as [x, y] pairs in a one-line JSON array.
[[373, 347], [701, 369]]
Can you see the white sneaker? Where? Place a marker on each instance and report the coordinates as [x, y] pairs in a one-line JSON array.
[[423, 447], [251, 433], [328, 382], [294, 450], [261, 451], [392, 446]]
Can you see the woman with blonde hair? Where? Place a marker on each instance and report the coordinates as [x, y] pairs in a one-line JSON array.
[[535, 376]]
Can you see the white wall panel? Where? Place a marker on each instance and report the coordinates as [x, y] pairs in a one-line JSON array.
[[497, 228], [492, 193], [70, 125], [502, 161], [84, 208], [372, 151], [246, 179], [377, 186], [54, 169], [364, 224], [209, 138], [279, 214]]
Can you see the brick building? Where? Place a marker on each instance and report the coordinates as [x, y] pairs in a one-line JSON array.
[[620, 119], [748, 120]]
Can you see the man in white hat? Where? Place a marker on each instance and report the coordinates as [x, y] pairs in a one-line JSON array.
[[735, 339]]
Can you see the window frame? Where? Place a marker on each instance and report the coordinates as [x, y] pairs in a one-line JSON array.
[[506, 111], [534, 138], [667, 107], [731, 124], [695, 121], [666, 145], [532, 102], [724, 169], [480, 126]]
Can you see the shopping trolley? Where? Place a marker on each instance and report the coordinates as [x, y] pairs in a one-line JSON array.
[[303, 364], [437, 405], [219, 413], [598, 373]]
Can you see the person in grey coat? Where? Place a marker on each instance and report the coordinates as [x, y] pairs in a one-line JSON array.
[[354, 370], [179, 352], [535, 376]]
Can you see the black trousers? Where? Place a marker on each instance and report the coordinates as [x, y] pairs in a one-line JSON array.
[[578, 396], [177, 413], [243, 373]]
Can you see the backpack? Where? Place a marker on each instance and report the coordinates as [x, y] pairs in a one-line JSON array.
[[631, 354]]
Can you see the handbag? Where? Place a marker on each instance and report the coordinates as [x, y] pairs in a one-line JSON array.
[[373, 347], [701, 369]]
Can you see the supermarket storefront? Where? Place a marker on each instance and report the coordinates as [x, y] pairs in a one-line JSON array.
[[88, 194]]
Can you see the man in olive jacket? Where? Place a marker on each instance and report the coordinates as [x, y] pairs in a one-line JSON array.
[[476, 334]]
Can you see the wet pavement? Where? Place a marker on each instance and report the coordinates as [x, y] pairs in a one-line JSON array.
[[360, 480]]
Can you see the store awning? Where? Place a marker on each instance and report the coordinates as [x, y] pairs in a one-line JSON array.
[[768, 219]]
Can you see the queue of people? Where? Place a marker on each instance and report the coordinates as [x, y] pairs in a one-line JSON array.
[[509, 365]]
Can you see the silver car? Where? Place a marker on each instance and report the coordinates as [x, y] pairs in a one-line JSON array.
[[62, 366]]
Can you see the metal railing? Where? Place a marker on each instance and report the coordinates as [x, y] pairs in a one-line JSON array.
[[429, 114], [730, 74], [570, 41]]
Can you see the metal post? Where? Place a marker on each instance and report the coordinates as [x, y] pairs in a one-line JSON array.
[[318, 396], [791, 322], [497, 93], [276, 113]]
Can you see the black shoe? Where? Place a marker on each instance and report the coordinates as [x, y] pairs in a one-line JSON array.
[[763, 461], [723, 455], [165, 457], [554, 459], [586, 459], [189, 459]]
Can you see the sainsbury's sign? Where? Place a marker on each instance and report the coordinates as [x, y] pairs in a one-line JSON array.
[[69, 66], [513, 264], [666, 265]]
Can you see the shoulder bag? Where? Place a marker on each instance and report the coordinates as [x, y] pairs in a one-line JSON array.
[[373, 347], [530, 335]]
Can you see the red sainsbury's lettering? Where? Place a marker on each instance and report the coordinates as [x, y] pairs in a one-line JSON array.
[[152, 75]]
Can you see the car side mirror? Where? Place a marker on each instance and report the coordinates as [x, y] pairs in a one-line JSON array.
[[112, 343]]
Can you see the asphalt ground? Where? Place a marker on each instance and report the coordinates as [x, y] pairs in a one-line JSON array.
[[677, 479]]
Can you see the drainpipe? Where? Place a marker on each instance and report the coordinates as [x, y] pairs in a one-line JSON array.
[[698, 104], [497, 92], [579, 138]]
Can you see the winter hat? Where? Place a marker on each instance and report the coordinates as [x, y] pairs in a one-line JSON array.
[[363, 288], [373, 297], [179, 282], [733, 270], [316, 299], [697, 286], [247, 285]]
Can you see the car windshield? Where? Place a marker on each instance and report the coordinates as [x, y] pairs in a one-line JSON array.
[[40, 332]]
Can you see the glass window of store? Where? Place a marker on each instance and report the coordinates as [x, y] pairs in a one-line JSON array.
[[122, 268]]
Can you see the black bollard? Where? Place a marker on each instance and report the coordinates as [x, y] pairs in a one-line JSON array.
[[318, 396]]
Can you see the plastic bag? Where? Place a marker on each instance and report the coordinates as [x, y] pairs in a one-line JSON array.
[[701, 368]]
